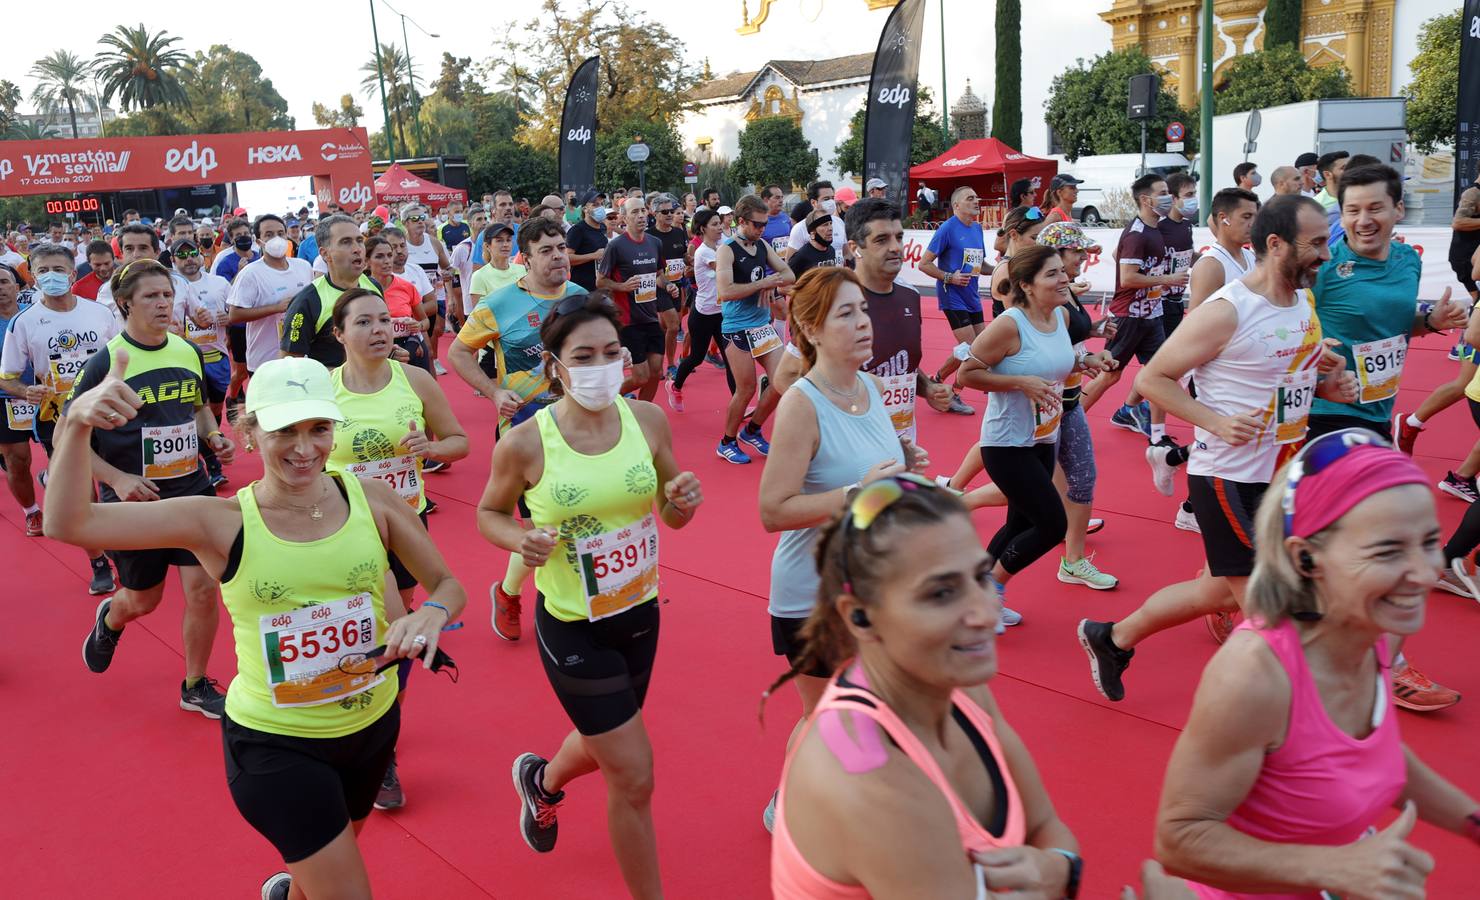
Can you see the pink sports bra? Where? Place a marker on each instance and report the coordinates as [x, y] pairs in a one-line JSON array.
[[793, 878]]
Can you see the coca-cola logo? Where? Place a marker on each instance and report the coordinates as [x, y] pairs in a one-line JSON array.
[[191, 159], [580, 135], [356, 194], [409, 182], [963, 161], [280, 154], [899, 95]]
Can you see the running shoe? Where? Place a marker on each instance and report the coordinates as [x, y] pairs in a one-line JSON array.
[[1095, 526], [752, 436], [1085, 572], [959, 406], [219, 479], [505, 613], [205, 698], [1454, 583], [764, 383], [1454, 353], [1414, 691], [675, 396], [277, 887], [1463, 488], [390, 795], [233, 411], [768, 817], [1106, 661], [41, 476], [730, 452], [431, 506], [441, 369], [1133, 418], [536, 808], [714, 360], [102, 578], [102, 641], [671, 372], [1161, 470], [33, 524], [1221, 624], [1407, 434], [1461, 571], [432, 466]]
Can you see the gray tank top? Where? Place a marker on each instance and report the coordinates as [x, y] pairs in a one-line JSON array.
[[1012, 420], [848, 446]]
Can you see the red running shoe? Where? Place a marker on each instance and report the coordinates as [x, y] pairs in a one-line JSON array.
[[505, 613], [1413, 690], [1404, 433]]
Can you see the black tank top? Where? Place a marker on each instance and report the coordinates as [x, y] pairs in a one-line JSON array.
[[1080, 326], [747, 267]]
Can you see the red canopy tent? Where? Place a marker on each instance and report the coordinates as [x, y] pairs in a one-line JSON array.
[[986, 164], [396, 183]]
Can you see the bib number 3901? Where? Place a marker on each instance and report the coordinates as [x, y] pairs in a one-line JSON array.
[[170, 451], [302, 649], [619, 568], [1293, 399], [1379, 367]]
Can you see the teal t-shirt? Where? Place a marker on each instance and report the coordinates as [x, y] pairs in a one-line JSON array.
[[1360, 302]]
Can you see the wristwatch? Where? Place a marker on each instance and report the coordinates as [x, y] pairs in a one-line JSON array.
[[1076, 871]]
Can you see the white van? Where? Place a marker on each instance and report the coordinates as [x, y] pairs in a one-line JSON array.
[[1113, 172]]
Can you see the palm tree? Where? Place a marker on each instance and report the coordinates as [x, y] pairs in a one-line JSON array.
[[518, 82], [29, 130], [392, 64], [141, 68], [61, 82], [10, 98]]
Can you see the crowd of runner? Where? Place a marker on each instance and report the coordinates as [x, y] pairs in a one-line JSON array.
[[144, 357]]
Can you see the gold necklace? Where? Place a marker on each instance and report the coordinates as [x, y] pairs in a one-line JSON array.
[[313, 509], [850, 398]]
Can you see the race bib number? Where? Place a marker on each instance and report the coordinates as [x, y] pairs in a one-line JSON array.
[[1379, 367], [619, 568], [20, 413], [303, 647], [400, 472], [65, 368], [1046, 416], [403, 326], [837, 259], [1293, 399], [762, 340], [779, 244], [899, 403], [170, 451], [971, 261], [200, 335], [647, 288], [673, 268]]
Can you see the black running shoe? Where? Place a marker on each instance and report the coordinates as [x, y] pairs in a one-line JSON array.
[[536, 808], [97, 650], [102, 578], [434, 465], [205, 698], [277, 887], [431, 506], [390, 796], [1106, 661]]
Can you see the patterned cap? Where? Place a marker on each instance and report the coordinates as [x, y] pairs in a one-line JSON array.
[[1066, 236]]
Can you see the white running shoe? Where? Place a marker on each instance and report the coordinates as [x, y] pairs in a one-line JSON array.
[[1161, 473], [1459, 580], [1187, 521]]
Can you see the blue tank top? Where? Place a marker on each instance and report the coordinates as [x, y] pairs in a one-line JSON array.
[[849, 444], [1012, 420]]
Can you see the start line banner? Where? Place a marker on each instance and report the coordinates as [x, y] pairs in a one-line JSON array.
[[1432, 245]]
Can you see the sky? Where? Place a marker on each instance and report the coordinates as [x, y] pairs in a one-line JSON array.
[[306, 66]]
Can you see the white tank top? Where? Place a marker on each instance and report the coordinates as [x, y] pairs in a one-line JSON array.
[[1233, 269], [1268, 367]]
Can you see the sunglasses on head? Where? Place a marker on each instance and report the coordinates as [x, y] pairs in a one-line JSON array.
[[1318, 455], [369, 663], [1033, 214], [870, 502], [577, 302]]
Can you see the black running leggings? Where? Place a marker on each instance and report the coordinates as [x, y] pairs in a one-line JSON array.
[[1467, 536], [1035, 513], [703, 328]]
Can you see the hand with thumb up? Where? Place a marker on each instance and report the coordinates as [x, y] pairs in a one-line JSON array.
[[111, 402], [1385, 866]]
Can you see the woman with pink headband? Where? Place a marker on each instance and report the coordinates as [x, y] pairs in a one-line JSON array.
[[1292, 752]]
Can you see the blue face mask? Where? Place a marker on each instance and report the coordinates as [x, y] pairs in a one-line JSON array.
[[1189, 206], [54, 284]]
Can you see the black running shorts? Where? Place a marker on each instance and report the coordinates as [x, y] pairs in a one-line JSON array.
[[643, 340], [1225, 513], [600, 669], [786, 640], [1136, 337], [300, 793], [962, 318], [236, 341]]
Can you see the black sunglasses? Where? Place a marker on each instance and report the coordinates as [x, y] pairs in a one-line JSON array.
[[366, 663], [577, 302]]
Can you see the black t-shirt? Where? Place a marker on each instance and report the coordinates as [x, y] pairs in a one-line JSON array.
[[308, 325], [675, 247], [1177, 236], [810, 257], [625, 258], [582, 238]]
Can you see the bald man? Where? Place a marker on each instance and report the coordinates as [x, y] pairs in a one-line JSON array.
[[1286, 180], [552, 207]]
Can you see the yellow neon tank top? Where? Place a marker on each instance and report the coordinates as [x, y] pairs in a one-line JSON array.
[[368, 440], [296, 610], [609, 495]]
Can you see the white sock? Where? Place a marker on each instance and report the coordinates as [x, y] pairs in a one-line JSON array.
[[1158, 432], [33, 508], [1414, 421]]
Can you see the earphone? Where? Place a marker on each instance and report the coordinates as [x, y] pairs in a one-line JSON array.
[[859, 617], [1307, 564]]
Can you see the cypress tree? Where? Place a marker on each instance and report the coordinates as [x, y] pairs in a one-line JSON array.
[[1282, 24], [1007, 111]]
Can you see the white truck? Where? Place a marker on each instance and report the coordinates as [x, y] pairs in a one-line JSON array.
[[1110, 174]]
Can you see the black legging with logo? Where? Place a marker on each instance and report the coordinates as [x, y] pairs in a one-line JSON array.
[[703, 328]]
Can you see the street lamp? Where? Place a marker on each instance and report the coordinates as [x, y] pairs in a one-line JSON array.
[[390, 140], [411, 75]]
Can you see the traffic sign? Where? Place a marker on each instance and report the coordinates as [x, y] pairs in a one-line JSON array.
[[1252, 126], [1175, 131], [1175, 146], [690, 170], [638, 152]]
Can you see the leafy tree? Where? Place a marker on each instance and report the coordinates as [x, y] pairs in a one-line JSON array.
[[140, 68], [644, 73], [495, 116], [226, 92], [61, 84], [1434, 91], [664, 166], [717, 173], [23, 209], [774, 150], [448, 128], [515, 81], [158, 120], [1007, 109], [10, 98], [926, 143], [346, 115], [522, 171], [449, 84], [1086, 106], [1272, 77], [1282, 24], [399, 100], [29, 130]]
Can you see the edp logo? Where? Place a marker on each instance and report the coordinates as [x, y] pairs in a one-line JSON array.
[[898, 95], [579, 135], [191, 159]]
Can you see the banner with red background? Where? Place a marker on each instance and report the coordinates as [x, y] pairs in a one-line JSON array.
[[338, 160]]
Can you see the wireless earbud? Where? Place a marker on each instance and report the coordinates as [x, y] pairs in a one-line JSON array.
[[1307, 564], [860, 618]]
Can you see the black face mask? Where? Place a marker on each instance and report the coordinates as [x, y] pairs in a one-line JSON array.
[[242, 242]]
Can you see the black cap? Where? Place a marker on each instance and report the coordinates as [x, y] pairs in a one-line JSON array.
[[1305, 159], [1062, 179], [588, 196], [495, 230], [182, 243]]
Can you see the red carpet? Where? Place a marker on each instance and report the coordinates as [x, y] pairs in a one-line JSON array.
[[112, 791]]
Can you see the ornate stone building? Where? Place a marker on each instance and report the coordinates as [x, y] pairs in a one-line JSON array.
[[1357, 34], [969, 116]]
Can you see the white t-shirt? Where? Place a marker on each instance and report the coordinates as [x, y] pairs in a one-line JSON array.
[[425, 257], [800, 237], [183, 290], [209, 292], [462, 260], [706, 290], [258, 285], [56, 345]]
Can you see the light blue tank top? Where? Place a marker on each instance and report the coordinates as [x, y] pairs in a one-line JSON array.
[[1011, 418], [849, 445]]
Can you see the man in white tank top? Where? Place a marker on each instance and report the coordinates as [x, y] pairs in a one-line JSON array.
[[1255, 348]]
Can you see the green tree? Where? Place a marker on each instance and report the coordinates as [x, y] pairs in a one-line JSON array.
[[664, 166], [61, 84], [495, 116], [158, 120], [226, 92], [448, 128], [925, 144], [346, 115], [516, 81], [398, 96], [140, 68], [1273, 77], [1433, 94], [506, 165], [454, 72], [718, 173], [1282, 24], [10, 98], [29, 131], [1086, 106], [773, 150], [1007, 108]]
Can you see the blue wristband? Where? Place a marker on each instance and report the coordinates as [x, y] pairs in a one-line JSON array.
[[451, 626]]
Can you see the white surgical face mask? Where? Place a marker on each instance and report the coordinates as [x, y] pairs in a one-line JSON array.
[[829, 206], [276, 247], [594, 387]]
